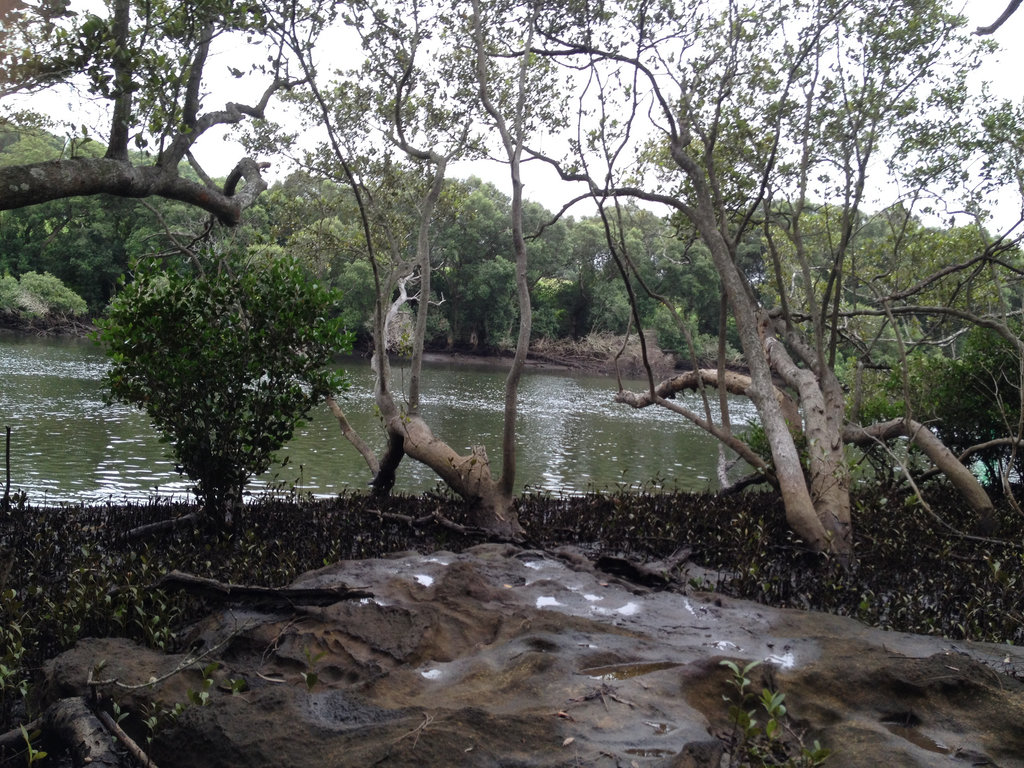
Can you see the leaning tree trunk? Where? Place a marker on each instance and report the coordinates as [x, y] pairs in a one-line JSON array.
[[469, 476], [827, 470], [960, 476], [802, 515]]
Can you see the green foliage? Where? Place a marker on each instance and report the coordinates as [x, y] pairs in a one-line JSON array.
[[10, 292], [311, 676], [46, 293], [88, 241], [765, 745], [225, 362], [971, 399], [39, 295], [201, 697], [32, 755]]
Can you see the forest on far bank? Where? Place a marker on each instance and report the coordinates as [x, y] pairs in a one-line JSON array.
[[65, 258]]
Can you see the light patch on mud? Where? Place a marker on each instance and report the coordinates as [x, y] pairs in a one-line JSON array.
[[628, 670], [629, 609], [425, 580], [724, 645], [546, 602], [431, 674], [592, 598], [787, 660]]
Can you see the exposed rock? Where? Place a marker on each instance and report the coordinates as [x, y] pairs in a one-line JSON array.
[[505, 657]]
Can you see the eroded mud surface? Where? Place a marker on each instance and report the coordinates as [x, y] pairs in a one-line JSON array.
[[504, 657]]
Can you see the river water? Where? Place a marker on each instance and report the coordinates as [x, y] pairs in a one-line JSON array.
[[68, 446]]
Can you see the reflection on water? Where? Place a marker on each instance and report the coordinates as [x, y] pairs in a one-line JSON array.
[[67, 445]]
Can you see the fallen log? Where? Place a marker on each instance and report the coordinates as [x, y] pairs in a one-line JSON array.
[[73, 723], [159, 527], [261, 597]]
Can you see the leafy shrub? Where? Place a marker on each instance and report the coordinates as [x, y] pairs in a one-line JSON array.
[[38, 295], [225, 363], [10, 291], [969, 400]]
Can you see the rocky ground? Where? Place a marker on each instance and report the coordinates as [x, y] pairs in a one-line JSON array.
[[499, 656]]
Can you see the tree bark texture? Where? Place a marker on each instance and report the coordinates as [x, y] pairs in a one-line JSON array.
[[22, 185], [74, 724], [827, 468], [469, 476], [801, 514]]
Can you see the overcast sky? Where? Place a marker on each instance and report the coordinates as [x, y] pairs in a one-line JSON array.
[[218, 153]]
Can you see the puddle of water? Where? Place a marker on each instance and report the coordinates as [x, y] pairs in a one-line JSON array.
[[431, 674], [425, 580], [917, 738], [544, 602], [629, 669], [629, 609], [650, 752], [532, 564], [660, 729], [724, 645]]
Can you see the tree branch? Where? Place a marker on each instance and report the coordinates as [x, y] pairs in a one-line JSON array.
[[25, 185], [1010, 10]]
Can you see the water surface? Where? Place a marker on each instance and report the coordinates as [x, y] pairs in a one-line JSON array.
[[68, 446]]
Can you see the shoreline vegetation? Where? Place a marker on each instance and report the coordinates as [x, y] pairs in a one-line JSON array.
[[74, 571], [597, 353]]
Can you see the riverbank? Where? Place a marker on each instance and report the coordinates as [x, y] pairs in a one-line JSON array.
[[600, 354], [46, 325], [78, 571]]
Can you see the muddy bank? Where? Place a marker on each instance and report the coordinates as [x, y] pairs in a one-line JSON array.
[[501, 656]]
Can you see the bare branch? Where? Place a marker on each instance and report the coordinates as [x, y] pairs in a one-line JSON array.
[[1006, 14]]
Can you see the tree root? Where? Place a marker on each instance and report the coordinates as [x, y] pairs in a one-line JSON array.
[[161, 526], [264, 597]]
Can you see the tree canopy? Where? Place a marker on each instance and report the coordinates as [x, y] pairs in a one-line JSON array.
[[815, 185], [147, 64]]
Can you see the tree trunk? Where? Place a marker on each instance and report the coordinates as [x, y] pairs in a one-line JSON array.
[[829, 475], [801, 513], [469, 476], [960, 476]]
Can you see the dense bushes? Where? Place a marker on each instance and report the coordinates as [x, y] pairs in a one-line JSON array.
[[35, 295]]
